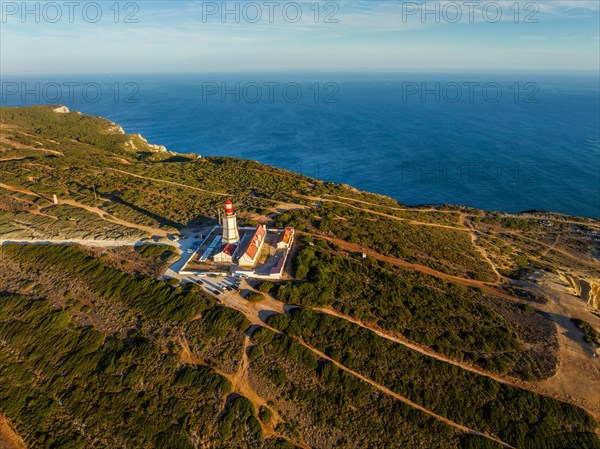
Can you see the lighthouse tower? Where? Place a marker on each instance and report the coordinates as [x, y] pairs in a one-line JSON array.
[[230, 229]]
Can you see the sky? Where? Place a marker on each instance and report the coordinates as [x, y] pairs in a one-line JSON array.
[[179, 36]]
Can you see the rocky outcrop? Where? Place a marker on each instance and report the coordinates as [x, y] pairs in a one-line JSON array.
[[591, 293], [145, 145], [157, 148], [114, 128], [587, 289]]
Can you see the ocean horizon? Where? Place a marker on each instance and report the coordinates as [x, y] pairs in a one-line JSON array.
[[496, 142]]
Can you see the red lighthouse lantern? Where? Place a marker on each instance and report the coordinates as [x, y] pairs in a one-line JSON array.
[[228, 207]]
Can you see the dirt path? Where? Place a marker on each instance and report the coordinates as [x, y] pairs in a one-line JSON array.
[[9, 439], [240, 384], [475, 240], [566, 220], [38, 210], [407, 401], [554, 247], [470, 228], [20, 190], [173, 183], [83, 242], [198, 189], [257, 312], [431, 209], [401, 209], [94, 210], [111, 218], [22, 146], [286, 207], [576, 393], [396, 338], [487, 287], [383, 214], [253, 312], [545, 388], [574, 384]]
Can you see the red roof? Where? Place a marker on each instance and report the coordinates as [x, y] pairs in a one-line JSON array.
[[287, 235], [255, 242], [229, 249]]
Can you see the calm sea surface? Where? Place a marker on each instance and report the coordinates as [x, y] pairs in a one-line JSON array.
[[509, 143]]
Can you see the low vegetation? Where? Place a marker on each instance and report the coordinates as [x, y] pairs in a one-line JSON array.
[[444, 249], [457, 321], [519, 417], [331, 408], [254, 297], [156, 299], [590, 335], [96, 351], [73, 388]]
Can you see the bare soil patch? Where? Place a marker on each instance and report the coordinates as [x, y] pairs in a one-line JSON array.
[[9, 439]]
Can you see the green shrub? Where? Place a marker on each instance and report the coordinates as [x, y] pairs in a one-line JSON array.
[[255, 297], [265, 287]]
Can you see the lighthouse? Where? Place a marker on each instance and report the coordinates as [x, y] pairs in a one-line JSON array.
[[230, 229]]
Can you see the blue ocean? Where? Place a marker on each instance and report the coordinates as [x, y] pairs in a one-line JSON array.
[[509, 143]]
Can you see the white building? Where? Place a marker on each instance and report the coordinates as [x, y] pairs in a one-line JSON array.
[[226, 253]]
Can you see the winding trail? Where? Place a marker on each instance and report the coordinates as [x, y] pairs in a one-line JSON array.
[[400, 398], [164, 181], [383, 214], [487, 287], [467, 226], [239, 380], [240, 384], [567, 220], [401, 209], [21, 146], [475, 240], [111, 218], [94, 210], [197, 189], [425, 350], [14, 158], [252, 313], [256, 313], [554, 247]]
